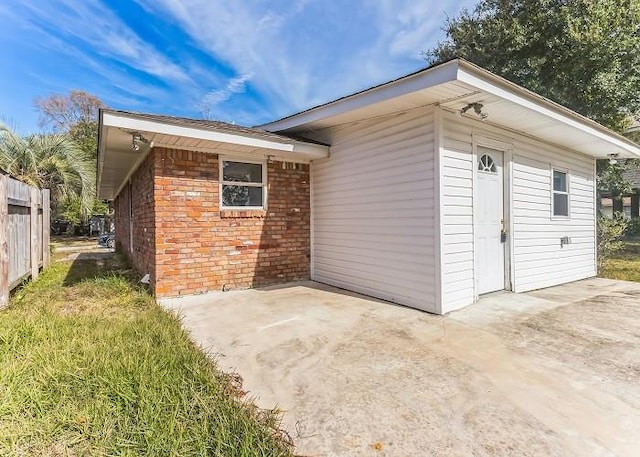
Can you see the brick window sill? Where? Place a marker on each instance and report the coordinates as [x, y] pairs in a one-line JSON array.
[[247, 214]]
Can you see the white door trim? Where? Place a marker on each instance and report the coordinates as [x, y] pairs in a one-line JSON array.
[[504, 145], [438, 148]]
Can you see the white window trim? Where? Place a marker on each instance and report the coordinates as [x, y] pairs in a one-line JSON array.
[[567, 193], [263, 184], [482, 154]]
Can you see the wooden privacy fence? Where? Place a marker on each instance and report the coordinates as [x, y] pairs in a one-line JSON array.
[[24, 233]]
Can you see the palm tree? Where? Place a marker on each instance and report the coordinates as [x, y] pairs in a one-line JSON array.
[[52, 162]]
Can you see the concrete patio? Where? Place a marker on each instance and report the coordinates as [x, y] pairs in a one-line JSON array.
[[554, 372]]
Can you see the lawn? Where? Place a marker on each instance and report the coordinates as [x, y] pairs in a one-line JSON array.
[[90, 365], [625, 264]]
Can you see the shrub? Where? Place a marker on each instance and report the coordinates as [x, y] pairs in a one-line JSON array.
[[633, 229], [610, 233]]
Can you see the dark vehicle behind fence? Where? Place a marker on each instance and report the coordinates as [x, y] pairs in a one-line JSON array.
[[59, 226], [107, 240]]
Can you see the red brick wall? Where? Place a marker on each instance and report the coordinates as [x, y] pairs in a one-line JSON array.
[[200, 248], [141, 192]]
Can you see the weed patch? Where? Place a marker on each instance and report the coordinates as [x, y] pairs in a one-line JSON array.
[[90, 365], [624, 265]]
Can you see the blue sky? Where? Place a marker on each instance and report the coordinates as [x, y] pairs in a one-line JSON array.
[[246, 62]]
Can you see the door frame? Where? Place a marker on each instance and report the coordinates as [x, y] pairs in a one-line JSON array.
[[506, 147]]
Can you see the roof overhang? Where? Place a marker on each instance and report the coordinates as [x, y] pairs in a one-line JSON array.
[[117, 161], [454, 85]]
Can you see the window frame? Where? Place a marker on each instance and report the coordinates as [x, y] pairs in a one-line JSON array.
[[567, 193], [493, 169], [263, 184]]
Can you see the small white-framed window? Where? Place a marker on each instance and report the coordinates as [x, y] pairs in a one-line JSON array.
[[243, 184], [560, 193]]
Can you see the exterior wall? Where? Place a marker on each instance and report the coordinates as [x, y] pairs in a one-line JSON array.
[[538, 260], [200, 248], [373, 209], [457, 170], [141, 252]]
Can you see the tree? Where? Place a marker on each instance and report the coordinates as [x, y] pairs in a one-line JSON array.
[[580, 53], [54, 162], [610, 181], [72, 210], [634, 133], [75, 114]]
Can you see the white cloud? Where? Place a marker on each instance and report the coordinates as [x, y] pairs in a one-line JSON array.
[[91, 23], [312, 51], [112, 84], [293, 53], [234, 86]]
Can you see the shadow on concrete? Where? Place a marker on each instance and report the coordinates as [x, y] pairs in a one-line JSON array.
[[313, 285], [303, 289], [91, 265]]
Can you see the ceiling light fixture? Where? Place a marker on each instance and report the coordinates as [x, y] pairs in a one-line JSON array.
[[477, 109], [612, 159], [136, 140]]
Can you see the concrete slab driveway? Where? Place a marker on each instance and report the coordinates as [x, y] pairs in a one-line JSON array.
[[549, 373]]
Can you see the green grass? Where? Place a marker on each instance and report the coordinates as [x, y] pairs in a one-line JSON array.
[[625, 265], [90, 365]]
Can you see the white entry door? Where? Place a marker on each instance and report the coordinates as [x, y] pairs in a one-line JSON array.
[[489, 217]]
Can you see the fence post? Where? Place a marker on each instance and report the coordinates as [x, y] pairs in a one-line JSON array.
[[35, 268], [4, 241], [46, 227]]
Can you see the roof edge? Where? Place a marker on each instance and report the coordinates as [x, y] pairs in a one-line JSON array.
[[99, 154], [222, 133], [544, 102], [454, 69], [206, 125], [433, 75]]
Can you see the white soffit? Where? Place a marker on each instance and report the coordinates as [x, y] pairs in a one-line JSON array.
[[544, 118]]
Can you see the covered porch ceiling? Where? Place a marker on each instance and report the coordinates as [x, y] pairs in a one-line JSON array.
[[117, 159], [453, 86]]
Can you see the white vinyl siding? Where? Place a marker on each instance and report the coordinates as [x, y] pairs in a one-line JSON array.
[[373, 209], [538, 259], [457, 215]]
